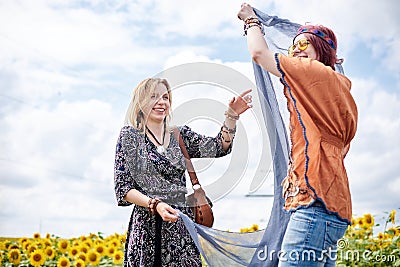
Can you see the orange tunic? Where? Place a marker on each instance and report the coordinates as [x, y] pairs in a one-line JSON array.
[[323, 121]]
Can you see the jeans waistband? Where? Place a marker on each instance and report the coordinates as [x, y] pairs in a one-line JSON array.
[[318, 203]]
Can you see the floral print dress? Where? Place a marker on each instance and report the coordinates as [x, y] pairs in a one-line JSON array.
[[151, 241]]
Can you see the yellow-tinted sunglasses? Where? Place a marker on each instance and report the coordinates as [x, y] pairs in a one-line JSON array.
[[302, 44]]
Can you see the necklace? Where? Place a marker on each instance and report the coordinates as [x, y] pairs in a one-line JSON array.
[[160, 147]]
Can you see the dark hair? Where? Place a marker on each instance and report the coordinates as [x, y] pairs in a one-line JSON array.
[[325, 53]]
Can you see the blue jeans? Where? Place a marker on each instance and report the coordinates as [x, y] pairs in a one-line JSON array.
[[311, 237]]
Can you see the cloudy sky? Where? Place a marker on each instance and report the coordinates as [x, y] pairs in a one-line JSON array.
[[67, 70]]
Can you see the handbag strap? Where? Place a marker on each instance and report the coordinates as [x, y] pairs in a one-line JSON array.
[[189, 164]]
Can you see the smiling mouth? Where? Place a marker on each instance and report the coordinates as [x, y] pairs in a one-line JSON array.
[[159, 109]]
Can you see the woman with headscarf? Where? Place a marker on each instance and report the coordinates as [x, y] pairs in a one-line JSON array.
[[323, 121]]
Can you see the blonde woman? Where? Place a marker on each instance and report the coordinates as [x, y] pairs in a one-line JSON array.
[[150, 173]]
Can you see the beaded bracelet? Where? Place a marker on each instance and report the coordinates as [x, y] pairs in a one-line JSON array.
[[152, 205], [248, 26], [251, 18], [230, 131], [231, 116], [251, 22]]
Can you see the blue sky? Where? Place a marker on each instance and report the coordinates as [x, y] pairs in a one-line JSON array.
[[67, 70]]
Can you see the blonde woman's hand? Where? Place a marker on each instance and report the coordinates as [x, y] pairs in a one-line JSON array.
[[245, 11], [167, 213], [241, 103]]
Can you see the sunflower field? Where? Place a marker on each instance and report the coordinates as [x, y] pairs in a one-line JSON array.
[[91, 250], [360, 246]]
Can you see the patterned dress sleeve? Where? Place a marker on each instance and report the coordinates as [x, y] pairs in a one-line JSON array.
[[201, 146], [123, 180]]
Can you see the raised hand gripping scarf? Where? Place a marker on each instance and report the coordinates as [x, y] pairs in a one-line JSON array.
[[220, 248]]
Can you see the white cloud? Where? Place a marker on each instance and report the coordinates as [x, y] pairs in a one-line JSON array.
[[372, 164], [62, 162], [353, 22]]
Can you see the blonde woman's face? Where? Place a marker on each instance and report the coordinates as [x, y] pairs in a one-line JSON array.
[[158, 105]]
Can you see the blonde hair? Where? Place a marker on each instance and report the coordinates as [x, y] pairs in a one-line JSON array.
[[142, 95]]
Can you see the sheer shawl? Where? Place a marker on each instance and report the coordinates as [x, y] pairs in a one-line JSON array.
[[221, 248]]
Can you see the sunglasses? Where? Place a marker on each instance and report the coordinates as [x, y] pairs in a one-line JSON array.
[[302, 45]]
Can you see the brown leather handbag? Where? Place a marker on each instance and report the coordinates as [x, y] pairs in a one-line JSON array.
[[201, 204]]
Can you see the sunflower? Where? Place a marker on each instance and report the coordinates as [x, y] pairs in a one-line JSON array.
[[88, 243], [36, 236], [111, 251], [118, 257], [63, 245], [63, 262], [50, 252], [14, 256], [80, 263], [116, 242], [98, 241], [381, 236], [255, 227], [122, 238], [368, 221], [93, 236], [83, 257], [31, 248], [37, 258], [360, 221], [392, 216], [13, 246], [397, 231], [40, 244], [93, 258], [47, 243], [84, 248], [73, 251], [25, 246], [48, 236], [99, 248], [23, 240], [353, 222]]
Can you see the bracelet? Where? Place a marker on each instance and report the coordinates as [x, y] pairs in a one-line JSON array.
[[231, 116], [248, 26], [226, 141], [227, 129], [152, 205], [251, 18], [252, 21], [222, 135]]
